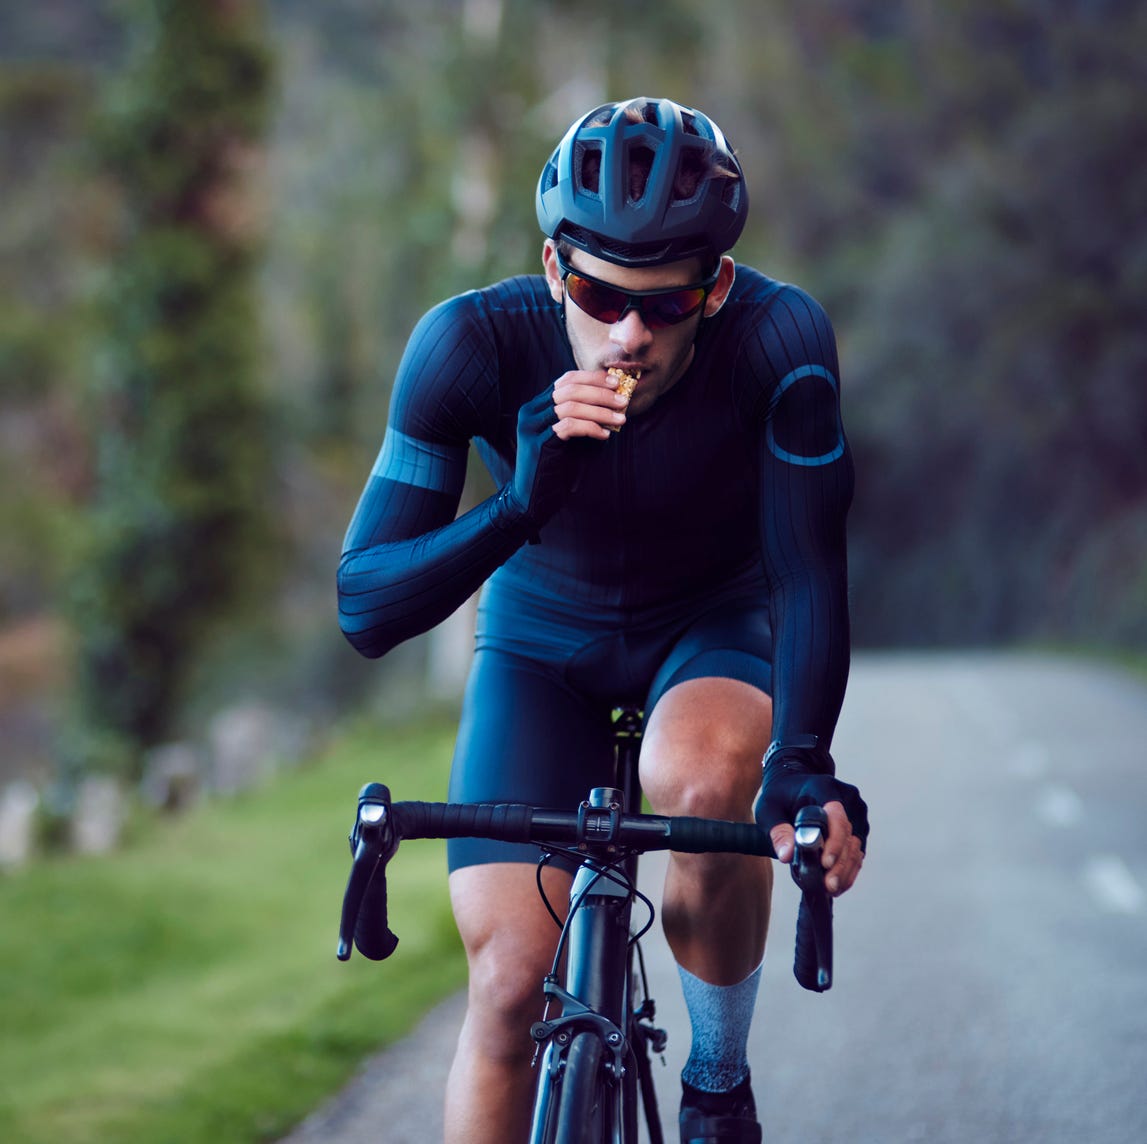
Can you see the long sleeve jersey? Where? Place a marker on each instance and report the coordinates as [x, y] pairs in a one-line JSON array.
[[739, 474]]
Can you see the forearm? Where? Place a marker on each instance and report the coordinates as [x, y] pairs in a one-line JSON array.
[[811, 650], [391, 591]]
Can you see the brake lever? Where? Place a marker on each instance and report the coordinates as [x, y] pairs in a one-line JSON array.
[[373, 843], [812, 962]]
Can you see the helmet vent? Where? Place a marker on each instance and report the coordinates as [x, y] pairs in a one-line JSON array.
[[587, 167], [640, 164]]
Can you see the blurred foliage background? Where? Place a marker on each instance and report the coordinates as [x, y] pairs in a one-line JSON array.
[[222, 218]]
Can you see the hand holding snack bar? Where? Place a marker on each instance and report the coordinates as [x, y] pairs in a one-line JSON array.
[[591, 403], [547, 465]]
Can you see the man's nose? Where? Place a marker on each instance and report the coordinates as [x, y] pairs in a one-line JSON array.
[[629, 332]]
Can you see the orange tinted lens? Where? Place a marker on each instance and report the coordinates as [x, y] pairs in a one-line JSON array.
[[599, 302], [658, 310], [669, 309]]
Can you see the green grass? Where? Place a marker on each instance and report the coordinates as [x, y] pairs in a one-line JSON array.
[[186, 988]]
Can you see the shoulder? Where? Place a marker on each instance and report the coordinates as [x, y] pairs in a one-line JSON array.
[[450, 378], [513, 320], [518, 297], [770, 317], [764, 304], [779, 332], [522, 294], [518, 300]]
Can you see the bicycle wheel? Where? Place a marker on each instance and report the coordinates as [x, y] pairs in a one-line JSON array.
[[578, 1108], [629, 1094]]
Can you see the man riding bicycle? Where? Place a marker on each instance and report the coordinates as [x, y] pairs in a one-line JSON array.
[[681, 549]]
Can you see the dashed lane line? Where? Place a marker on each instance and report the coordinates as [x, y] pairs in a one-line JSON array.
[[1113, 885], [1108, 878], [1059, 805]]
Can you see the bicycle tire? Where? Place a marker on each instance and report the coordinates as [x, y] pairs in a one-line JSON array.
[[579, 1110], [629, 1098]]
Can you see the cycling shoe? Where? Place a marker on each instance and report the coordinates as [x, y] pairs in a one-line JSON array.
[[719, 1118]]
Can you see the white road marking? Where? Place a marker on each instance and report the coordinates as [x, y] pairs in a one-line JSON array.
[[1029, 760], [1059, 805], [1114, 886]]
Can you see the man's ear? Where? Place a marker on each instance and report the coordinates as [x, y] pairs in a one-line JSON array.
[[720, 292], [553, 272]]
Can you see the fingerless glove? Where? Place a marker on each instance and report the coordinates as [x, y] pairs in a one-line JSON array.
[[799, 772]]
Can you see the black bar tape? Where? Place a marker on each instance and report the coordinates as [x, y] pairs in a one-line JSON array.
[[503, 822], [701, 835], [372, 935]]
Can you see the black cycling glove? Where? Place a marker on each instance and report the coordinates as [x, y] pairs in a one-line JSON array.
[[547, 467], [799, 772]]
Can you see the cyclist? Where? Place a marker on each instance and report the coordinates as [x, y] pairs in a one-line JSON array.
[[692, 562]]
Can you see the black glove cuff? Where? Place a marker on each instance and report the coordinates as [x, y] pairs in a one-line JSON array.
[[798, 754], [798, 772]]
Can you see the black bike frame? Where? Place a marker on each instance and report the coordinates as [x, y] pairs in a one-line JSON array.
[[597, 997], [597, 1048]]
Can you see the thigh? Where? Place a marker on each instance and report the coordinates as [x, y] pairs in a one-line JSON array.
[[732, 640], [524, 736], [710, 715]]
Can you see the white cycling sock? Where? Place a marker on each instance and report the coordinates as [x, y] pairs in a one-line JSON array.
[[721, 1016]]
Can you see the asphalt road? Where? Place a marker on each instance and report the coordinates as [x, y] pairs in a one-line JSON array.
[[991, 964]]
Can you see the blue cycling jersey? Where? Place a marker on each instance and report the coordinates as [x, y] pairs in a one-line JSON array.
[[735, 484]]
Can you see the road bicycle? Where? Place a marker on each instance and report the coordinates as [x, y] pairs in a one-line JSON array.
[[594, 1054]]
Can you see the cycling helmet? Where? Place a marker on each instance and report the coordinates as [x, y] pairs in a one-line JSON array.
[[693, 201]]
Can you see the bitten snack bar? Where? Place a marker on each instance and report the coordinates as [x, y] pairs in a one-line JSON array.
[[626, 384]]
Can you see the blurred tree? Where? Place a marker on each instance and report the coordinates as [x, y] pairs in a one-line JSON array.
[[42, 451], [180, 513], [959, 183], [995, 349]]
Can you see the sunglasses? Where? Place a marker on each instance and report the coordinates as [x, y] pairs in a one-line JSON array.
[[658, 308]]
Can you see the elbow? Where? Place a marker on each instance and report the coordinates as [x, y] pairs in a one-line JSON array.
[[364, 644], [359, 626], [359, 637], [372, 641]]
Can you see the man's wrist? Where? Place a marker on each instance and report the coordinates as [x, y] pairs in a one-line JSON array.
[[511, 518], [802, 754]]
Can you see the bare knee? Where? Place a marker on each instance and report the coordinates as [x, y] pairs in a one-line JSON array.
[[510, 941], [713, 791], [703, 750], [505, 991]]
